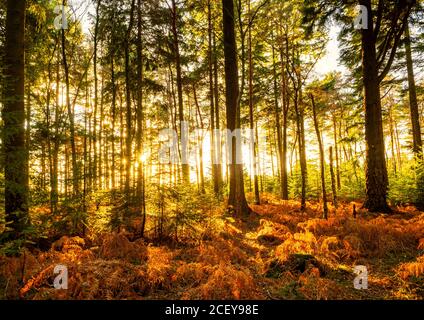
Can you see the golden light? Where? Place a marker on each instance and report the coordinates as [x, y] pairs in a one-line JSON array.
[[143, 157]]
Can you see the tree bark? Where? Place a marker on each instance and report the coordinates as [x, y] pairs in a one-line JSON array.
[[321, 159], [251, 118], [75, 178], [128, 149], [376, 170], [200, 142], [333, 179], [285, 109], [336, 150], [277, 111], [218, 166], [413, 102], [16, 161], [141, 203], [184, 154], [113, 120], [96, 32], [214, 158], [237, 199]]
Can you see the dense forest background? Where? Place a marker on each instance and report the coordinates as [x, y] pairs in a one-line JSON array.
[[332, 174]]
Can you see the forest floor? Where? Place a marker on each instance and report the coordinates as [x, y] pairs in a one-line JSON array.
[[277, 253]]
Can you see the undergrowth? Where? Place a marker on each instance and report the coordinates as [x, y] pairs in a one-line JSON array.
[[281, 253]]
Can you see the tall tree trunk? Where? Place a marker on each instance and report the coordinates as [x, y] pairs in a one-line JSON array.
[[237, 198], [251, 118], [333, 179], [104, 144], [48, 126], [336, 150], [214, 159], [113, 120], [75, 178], [302, 144], [376, 170], [300, 122], [56, 144], [277, 111], [302, 153], [66, 173], [100, 139], [397, 144], [28, 137], [417, 144], [140, 196], [201, 170], [85, 151], [96, 32], [16, 161], [121, 144], [128, 149], [285, 109], [321, 159], [413, 102], [184, 154], [392, 140], [218, 168]]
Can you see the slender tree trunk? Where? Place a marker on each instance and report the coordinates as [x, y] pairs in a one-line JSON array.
[[392, 140], [417, 145], [302, 155], [218, 167], [237, 199], [397, 144], [28, 137], [75, 178], [285, 107], [128, 149], [303, 162], [85, 150], [96, 32], [16, 161], [272, 146], [43, 167], [100, 138], [56, 144], [49, 133], [333, 179], [121, 145], [201, 170], [413, 102], [277, 111], [251, 118], [90, 146], [140, 123], [321, 159], [336, 150], [105, 148], [300, 122], [112, 134], [66, 182], [214, 159], [184, 156]]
